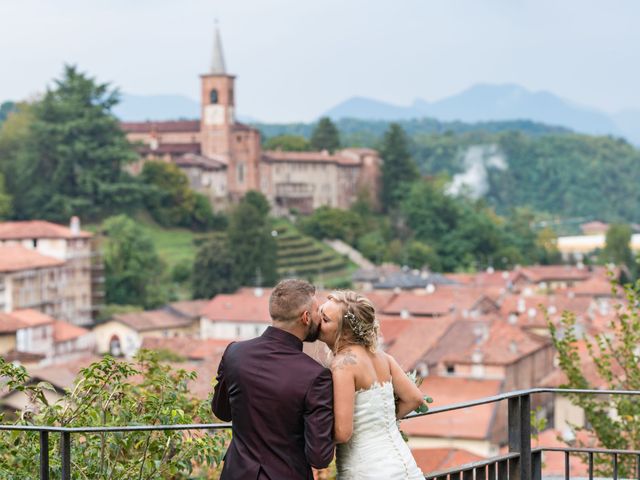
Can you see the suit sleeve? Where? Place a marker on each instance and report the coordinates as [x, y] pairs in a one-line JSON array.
[[220, 402], [318, 421]]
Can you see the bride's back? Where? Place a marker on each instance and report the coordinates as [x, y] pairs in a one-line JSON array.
[[370, 368]]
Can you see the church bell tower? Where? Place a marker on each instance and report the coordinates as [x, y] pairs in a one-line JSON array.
[[217, 104]]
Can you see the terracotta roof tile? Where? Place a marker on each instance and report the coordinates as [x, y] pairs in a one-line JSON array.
[[471, 423], [10, 323], [545, 273], [188, 308], [242, 306], [37, 229], [170, 148], [189, 348], [153, 320], [32, 318], [445, 299], [438, 459], [414, 341], [64, 331], [496, 343], [161, 127], [310, 157], [16, 258]]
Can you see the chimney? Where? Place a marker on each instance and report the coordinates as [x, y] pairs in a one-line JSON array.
[[258, 292], [74, 226]]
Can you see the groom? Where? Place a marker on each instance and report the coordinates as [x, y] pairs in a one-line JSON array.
[[279, 400]]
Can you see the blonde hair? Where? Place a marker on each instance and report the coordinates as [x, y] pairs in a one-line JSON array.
[[357, 323]]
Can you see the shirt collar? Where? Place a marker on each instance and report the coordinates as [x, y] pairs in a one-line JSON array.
[[282, 336]]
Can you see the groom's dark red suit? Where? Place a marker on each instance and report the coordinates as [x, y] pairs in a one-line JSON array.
[[281, 404]]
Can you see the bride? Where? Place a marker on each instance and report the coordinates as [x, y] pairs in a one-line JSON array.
[[365, 380]]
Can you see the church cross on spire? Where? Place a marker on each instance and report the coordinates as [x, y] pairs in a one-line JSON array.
[[217, 61]]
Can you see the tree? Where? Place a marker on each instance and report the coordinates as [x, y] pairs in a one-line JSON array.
[[287, 143], [618, 247], [171, 201], [5, 109], [135, 274], [214, 269], [5, 200], [421, 255], [333, 223], [253, 248], [398, 168], [325, 136], [72, 161], [614, 419], [115, 393], [259, 201]]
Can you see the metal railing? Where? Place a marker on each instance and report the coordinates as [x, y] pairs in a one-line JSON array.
[[520, 463]]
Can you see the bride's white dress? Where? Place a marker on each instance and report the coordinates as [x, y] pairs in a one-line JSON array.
[[376, 450]]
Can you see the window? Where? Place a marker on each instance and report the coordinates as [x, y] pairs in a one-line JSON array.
[[231, 96], [451, 369], [213, 96], [240, 171]]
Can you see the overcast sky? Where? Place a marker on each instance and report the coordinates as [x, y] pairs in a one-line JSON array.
[[297, 58]]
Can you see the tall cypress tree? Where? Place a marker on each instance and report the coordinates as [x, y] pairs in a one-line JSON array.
[[398, 168], [325, 136]]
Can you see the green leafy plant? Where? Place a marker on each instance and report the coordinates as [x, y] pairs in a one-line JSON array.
[[114, 393]]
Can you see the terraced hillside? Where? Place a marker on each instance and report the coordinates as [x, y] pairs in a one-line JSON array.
[[304, 257]]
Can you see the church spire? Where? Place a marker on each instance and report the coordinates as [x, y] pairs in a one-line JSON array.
[[217, 61]]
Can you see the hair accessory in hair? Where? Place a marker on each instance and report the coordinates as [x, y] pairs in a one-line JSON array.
[[358, 328]]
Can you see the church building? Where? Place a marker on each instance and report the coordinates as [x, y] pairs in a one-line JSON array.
[[223, 158]]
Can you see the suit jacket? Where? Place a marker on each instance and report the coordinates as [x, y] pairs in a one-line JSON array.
[[280, 401]]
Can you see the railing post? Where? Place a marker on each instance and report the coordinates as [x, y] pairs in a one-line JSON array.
[[525, 437], [514, 437], [44, 455], [65, 453]]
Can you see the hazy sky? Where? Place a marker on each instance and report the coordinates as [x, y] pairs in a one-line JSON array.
[[297, 58]]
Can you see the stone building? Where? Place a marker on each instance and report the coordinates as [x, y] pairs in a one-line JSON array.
[[77, 288], [223, 158]]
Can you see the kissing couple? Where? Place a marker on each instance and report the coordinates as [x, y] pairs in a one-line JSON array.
[[288, 412]]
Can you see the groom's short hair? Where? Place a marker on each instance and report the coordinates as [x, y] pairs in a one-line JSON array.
[[289, 299]]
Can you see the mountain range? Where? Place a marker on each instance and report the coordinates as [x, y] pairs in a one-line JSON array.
[[481, 102]]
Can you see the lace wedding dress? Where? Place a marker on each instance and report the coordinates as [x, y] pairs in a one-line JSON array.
[[376, 450]]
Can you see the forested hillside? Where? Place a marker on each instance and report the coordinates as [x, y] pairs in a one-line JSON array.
[[548, 169]]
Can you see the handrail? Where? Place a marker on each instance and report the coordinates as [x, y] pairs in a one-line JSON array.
[[515, 394], [522, 461]]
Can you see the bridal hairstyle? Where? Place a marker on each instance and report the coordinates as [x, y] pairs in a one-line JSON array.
[[357, 324], [289, 299]]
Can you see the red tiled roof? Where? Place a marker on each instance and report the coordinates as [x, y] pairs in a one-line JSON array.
[[170, 148], [310, 157], [64, 331], [10, 323], [16, 257], [471, 423], [189, 308], [545, 273], [421, 335], [32, 318], [500, 344], [37, 229], [153, 320], [200, 161], [242, 306], [444, 300], [438, 459], [190, 348], [595, 287], [161, 127]]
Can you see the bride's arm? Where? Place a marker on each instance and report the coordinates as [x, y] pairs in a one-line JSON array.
[[410, 396], [344, 392]]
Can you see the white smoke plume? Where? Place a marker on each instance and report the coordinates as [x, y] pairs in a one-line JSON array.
[[474, 180]]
